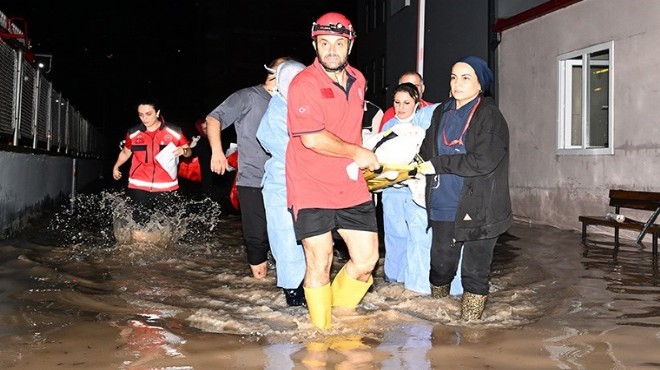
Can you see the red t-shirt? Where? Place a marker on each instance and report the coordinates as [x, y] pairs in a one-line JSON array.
[[316, 103], [389, 114]]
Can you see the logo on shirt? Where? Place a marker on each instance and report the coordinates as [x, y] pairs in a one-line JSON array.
[[302, 110], [167, 138], [327, 93], [139, 140]]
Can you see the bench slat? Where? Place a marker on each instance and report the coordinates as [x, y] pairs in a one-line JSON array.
[[627, 224], [643, 200]]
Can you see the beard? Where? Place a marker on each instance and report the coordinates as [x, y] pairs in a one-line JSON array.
[[332, 67]]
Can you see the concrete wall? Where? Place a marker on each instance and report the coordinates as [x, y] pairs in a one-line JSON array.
[[555, 189], [29, 182]]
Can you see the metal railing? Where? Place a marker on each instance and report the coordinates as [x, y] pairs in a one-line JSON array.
[[33, 114]]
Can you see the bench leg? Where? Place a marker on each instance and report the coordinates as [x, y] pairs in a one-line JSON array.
[[648, 224], [616, 241], [655, 246], [584, 239]]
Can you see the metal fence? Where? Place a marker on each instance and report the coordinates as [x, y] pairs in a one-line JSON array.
[[33, 114]]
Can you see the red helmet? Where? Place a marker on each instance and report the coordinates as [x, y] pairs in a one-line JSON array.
[[333, 24]]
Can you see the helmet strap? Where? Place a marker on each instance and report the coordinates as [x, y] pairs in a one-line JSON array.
[[334, 70]]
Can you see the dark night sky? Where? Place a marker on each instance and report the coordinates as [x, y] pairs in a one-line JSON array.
[[190, 54]]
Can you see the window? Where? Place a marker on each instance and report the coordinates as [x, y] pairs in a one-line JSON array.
[[585, 116]]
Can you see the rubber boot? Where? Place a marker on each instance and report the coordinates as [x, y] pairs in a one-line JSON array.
[[319, 304], [439, 291], [472, 306], [295, 297], [348, 292]]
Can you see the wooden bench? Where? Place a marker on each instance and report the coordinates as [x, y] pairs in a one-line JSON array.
[[640, 200]]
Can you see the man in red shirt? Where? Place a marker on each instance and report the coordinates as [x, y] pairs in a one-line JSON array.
[[415, 79], [325, 107]]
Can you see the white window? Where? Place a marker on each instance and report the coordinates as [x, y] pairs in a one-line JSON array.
[[585, 114]]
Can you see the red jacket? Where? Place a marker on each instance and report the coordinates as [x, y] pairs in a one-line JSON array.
[[146, 173]]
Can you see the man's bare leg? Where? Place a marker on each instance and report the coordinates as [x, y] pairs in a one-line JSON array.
[[363, 250], [318, 256]]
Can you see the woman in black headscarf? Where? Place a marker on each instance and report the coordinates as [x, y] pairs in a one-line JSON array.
[[467, 195]]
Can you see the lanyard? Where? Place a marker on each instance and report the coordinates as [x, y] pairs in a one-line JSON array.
[[459, 141]]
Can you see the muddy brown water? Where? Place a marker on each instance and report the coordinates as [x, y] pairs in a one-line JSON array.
[[72, 297]]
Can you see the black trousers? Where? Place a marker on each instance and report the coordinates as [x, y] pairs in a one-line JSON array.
[[253, 220], [445, 254], [146, 203]]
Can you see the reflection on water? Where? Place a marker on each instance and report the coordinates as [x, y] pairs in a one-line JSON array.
[[146, 340], [547, 300]]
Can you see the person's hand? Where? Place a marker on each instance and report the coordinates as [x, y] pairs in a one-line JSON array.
[[426, 168], [180, 151], [366, 159], [116, 174], [218, 163]]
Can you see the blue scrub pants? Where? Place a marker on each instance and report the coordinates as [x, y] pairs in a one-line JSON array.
[[407, 240], [288, 253]]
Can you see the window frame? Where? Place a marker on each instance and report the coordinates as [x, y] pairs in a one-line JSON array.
[[565, 62]]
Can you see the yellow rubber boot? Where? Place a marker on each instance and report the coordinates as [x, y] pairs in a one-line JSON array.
[[348, 292], [319, 304]]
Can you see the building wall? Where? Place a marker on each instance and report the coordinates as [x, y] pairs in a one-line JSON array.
[[454, 29], [370, 47], [401, 46], [555, 189], [29, 182]]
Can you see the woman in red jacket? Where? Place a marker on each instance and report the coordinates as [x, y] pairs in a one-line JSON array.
[[155, 147]]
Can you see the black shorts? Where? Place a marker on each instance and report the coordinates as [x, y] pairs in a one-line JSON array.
[[317, 221]]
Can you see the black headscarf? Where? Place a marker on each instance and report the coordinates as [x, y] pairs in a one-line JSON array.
[[484, 74]]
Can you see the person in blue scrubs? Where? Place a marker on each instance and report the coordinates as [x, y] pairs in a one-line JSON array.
[[405, 224], [274, 137]]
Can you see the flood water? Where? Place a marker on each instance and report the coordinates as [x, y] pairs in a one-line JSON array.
[[74, 296]]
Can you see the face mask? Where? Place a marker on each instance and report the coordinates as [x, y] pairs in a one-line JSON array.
[[405, 120]]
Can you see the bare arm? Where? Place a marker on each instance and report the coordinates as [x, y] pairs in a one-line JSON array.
[[327, 143], [123, 156], [218, 159]]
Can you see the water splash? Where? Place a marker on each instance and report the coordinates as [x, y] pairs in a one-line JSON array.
[[102, 223]]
